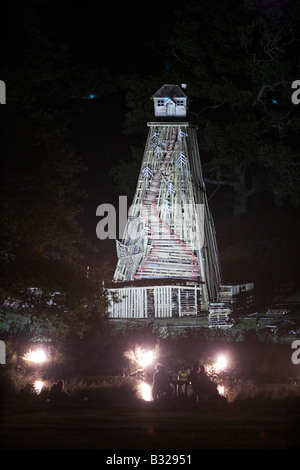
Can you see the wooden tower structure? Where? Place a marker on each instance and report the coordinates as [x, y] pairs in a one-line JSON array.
[[168, 263]]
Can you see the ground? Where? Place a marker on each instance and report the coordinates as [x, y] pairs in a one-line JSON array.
[[137, 425]]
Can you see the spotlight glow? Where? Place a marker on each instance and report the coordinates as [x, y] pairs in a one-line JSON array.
[[38, 386], [146, 358], [221, 363], [140, 356], [36, 356], [144, 391]]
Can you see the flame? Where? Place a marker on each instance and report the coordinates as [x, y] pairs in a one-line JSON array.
[[38, 386], [140, 356], [221, 363], [37, 356], [144, 391]]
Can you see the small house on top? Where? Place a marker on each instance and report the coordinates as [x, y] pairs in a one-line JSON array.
[[170, 101]]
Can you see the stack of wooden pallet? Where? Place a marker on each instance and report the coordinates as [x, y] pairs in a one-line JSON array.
[[219, 315]]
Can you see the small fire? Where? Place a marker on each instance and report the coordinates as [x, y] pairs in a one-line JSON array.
[[38, 386], [146, 358], [140, 356], [144, 391], [221, 363], [36, 356]]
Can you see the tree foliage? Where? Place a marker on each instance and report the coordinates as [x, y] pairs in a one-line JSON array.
[[239, 60], [243, 57], [42, 244]]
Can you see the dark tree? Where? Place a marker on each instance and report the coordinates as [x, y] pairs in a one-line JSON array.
[[42, 244], [239, 60]]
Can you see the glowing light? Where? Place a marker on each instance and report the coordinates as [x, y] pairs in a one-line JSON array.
[[37, 356], [221, 363], [274, 101], [91, 96], [144, 391], [141, 357], [146, 358], [38, 386], [221, 390]]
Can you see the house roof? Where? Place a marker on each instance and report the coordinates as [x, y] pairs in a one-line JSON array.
[[172, 91]]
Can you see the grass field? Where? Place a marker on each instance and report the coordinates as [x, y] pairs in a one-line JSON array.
[[111, 417]]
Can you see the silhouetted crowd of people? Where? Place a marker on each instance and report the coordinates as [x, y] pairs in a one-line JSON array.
[[201, 384], [162, 385]]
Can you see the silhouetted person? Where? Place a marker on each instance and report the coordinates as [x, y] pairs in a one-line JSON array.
[[201, 383], [209, 387], [202, 374], [161, 381], [194, 378], [57, 392]]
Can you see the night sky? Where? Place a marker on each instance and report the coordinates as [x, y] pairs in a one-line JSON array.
[[117, 35], [120, 37], [123, 38]]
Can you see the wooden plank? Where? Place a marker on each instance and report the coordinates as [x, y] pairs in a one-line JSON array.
[[164, 256]]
